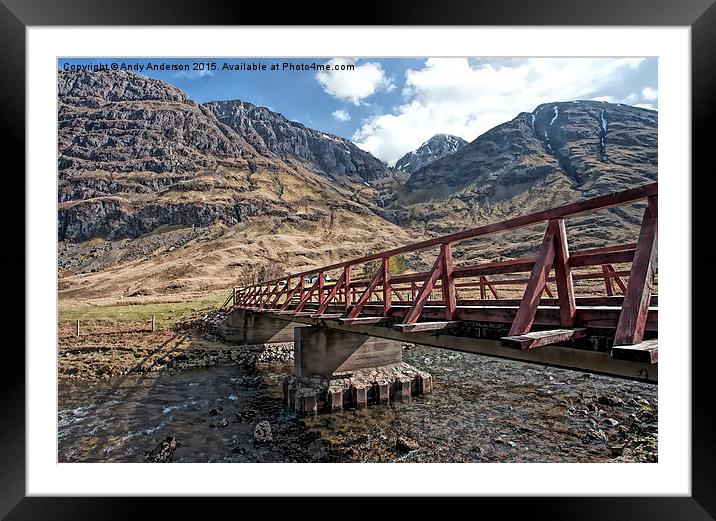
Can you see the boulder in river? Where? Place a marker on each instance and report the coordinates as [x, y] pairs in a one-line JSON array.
[[612, 400], [164, 451], [404, 445], [262, 432]]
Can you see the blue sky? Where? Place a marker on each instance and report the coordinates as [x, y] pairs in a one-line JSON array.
[[390, 106]]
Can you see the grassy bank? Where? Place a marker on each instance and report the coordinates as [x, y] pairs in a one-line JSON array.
[[167, 310], [116, 337]]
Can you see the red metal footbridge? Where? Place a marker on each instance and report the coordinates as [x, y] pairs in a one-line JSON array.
[[612, 329]]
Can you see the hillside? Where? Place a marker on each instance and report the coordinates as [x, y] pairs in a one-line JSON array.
[[147, 178], [557, 154]]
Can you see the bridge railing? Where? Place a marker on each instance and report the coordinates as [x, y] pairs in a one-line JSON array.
[[331, 291]]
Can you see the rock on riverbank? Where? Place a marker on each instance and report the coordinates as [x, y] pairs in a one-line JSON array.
[[108, 352]]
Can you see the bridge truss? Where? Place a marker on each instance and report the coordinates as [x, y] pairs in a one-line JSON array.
[[612, 330]]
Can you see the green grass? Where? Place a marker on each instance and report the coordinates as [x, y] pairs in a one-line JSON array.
[[166, 312]]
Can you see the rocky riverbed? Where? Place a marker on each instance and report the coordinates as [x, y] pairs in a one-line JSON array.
[[224, 404]]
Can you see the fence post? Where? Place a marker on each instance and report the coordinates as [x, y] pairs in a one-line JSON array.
[[153, 318], [78, 327]]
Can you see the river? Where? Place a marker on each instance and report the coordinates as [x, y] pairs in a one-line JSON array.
[[482, 410]]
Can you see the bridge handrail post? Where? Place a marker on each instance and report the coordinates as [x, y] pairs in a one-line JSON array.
[[608, 284], [448, 282], [262, 295], [635, 309], [323, 304], [289, 297], [321, 283], [411, 317], [387, 286], [563, 274], [347, 286], [536, 284]]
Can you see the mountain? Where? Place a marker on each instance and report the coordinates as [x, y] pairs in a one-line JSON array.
[[270, 131], [559, 153], [437, 147], [156, 194], [341, 161], [593, 146]]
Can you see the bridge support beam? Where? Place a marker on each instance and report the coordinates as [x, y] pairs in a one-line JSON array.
[[336, 369], [248, 328]]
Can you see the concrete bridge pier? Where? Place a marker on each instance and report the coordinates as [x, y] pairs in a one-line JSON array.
[[336, 369], [247, 328]]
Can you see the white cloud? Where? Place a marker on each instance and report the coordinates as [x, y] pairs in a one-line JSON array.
[[649, 94], [354, 85], [457, 96], [341, 115], [193, 75]]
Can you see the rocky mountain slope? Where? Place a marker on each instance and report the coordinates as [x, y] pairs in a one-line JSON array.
[[559, 153], [142, 169], [270, 131], [437, 147], [364, 176], [594, 146]]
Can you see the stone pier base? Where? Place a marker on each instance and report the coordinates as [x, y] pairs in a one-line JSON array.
[[360, 388], [336, 369]]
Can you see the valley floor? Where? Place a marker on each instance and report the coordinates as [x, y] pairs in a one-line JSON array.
[[178, 393]]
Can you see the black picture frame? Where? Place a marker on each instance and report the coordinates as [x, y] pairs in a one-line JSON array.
[[17, 15]]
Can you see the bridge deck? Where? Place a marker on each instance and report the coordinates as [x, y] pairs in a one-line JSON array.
[[553, 355]]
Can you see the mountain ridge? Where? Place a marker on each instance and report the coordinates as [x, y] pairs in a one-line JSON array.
[[271, 131]]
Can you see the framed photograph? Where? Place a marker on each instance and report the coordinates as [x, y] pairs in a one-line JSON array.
[[417, 254]]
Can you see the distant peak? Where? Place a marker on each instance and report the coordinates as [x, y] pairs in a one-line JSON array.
[[437, 147]]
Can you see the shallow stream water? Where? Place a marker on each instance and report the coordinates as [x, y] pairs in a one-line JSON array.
[[482, 409]]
